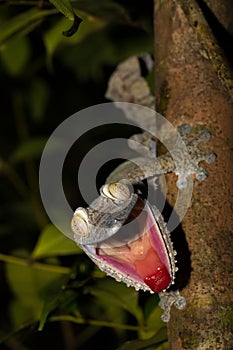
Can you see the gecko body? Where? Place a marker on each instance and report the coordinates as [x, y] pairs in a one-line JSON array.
[[123, 232]]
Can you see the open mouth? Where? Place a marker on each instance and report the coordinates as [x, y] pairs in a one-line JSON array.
[[139, 250]]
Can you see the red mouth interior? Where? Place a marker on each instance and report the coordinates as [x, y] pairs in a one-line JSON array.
[[145, 255]]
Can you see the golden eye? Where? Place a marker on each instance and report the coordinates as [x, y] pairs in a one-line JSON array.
[[116, 191], [79, 223]]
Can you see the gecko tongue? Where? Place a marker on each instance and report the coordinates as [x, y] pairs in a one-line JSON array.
[[145, 257], [153, 271]]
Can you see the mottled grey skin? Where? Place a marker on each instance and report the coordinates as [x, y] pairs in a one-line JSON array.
[[106, 215]]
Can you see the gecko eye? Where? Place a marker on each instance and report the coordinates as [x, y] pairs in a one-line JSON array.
[[116, 191], [79, 223]]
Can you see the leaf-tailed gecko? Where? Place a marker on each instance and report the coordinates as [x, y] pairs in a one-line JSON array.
[[121, 231]]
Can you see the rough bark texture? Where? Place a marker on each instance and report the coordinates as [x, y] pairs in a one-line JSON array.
[[194, 85]]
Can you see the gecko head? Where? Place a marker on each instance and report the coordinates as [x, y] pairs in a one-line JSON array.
[[105, 215], [126, 238]]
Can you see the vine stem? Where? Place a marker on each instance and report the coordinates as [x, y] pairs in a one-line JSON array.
[[27, 262], [34, 265], [97, 323]]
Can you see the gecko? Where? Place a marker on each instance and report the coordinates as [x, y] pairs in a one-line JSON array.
[[122, 232]]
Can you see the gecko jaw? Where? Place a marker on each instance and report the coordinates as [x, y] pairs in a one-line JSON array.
[[140, 253]]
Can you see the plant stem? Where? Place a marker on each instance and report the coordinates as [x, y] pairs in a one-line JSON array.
[[34, 265], [41, 266], [98, 323]]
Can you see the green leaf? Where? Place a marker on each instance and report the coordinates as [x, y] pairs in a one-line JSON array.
[[19, 23], [53, 243], [56, 301], [54, 297], [153, 323], [119, 295], [26, 284], [15, 54], [65, 7], [62, 295], [22, 312], [53, 39], [152, 313], [163, 346], [153, 343], [30, 149]]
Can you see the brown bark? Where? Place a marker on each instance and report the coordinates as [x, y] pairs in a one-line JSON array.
[[193, 85]]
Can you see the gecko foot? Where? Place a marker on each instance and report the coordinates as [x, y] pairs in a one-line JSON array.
[[167, 299], [189, 164]]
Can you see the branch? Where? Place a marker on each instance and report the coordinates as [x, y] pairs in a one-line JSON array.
[[194, 85]]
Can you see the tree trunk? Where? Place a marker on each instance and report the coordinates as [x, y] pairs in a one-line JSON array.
[[193, 84]]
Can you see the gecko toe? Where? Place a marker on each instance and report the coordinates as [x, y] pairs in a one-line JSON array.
[[210, 157], [201, 174], [204, 136], [184, 129]]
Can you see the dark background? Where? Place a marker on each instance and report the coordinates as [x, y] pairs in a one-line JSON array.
[[44, 78]]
